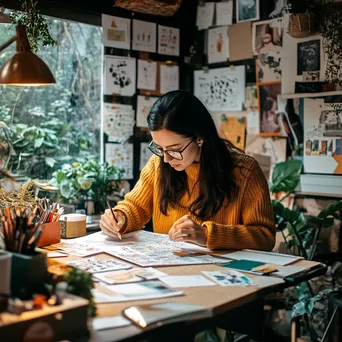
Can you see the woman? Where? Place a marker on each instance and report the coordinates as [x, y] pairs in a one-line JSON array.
[[197, 187]]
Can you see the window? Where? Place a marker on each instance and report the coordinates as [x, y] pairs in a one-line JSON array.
[[52, 125]]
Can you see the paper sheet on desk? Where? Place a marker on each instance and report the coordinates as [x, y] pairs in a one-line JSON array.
[[187, 281], [110, 322]]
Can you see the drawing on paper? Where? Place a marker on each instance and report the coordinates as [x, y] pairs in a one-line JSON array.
[[120, 76], [218, 45], [168, 40], [221, 89], [309, 56], [121, 156], [144, 105], [267, 37], [144, 36], [116, 32], [205, 15], [247, 10], [169, 78], [147, 75], [224, 13], [145, 155]]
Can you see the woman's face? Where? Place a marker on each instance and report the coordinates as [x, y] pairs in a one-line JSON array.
[[168, 140]]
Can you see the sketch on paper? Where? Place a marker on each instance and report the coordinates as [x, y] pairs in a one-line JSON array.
[[168, 40], [169, 78], [116, 32], [145, 155], [247, 10], [267, 46], [205, 15], [224, 13], [144, 105], [144, 36], [118, 122], [221, 89], [119, 76], [147, 75], [309, 56], [121, 156], [218, 45]]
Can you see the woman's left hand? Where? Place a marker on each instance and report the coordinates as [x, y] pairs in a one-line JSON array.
[[186, 229]]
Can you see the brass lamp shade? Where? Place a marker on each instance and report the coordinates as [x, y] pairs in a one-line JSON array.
[[26, 69]]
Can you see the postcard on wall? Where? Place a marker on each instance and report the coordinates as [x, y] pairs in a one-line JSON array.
[[221, 89], [144, 105], [205, 15], [247, 10], [118, 122], [144, 36], [147, 75], [309, 56], [145, 155], [121, 156], [169, 78], [224, 13], [267, 46], [322, 136], [119, 76], [218, 44], [234, 130], [168, 40], [116, 32]]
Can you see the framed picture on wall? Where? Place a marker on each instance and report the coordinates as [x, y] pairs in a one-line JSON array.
[[272, 122]]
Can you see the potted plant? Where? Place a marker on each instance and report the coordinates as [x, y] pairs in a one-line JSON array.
[[87, 180]]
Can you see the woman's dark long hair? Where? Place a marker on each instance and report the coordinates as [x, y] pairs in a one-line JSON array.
[[184, 114]]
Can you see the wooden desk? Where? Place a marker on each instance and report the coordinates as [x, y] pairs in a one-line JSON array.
[[219, 300]]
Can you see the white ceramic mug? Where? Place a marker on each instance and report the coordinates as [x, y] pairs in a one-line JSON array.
[[5, 271]]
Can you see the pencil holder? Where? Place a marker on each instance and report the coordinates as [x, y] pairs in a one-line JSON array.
[[73, 225], [51, 234], [28, 274]]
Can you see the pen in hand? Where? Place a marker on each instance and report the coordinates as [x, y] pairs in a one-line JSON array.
[[110, 208]]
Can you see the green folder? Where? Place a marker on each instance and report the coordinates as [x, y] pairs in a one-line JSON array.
[[243, 265]]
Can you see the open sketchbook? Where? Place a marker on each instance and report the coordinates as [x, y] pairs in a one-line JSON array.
[[265, 257]]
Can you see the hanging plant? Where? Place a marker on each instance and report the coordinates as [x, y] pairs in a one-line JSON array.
[[37, 28]]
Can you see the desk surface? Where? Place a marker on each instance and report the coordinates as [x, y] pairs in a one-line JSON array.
[[218, 299]]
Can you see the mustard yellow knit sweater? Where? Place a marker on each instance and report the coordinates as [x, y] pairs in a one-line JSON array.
[[247, 221]]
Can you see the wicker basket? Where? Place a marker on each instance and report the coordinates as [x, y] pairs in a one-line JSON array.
[[301, 25], [165, 8]]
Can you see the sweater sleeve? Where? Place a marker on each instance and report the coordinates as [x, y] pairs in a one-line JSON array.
[[257, 229], [138, 203]]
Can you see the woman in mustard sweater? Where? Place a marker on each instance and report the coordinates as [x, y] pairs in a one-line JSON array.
[[197, 187]]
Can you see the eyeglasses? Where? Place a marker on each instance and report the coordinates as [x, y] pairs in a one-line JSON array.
[[171, 153]]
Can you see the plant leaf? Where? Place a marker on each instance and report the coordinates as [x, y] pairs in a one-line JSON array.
[[50, 161], [330, 209]]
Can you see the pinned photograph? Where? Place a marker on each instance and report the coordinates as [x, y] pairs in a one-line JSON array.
[[247, 10]]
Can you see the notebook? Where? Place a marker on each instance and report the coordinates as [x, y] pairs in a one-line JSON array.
[[265, 257]]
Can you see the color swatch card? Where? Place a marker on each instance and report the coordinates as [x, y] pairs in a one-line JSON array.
[[228, 278], [93, 265], [144, 36]]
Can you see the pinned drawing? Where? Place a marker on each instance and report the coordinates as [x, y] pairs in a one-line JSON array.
[[168, 40], [147, 75], [221, 89], [309, 56], [119, 76], [121, 156], [169, 78], [205, 15], [218, 45], [145, 155], [116, 32], [144, 105], [144, 36]]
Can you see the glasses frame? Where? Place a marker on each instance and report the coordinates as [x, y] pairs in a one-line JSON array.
[[152, 149]]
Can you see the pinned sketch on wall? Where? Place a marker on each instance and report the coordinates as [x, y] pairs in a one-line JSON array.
[[253, 123], [221, 89], [121, 156], [145, 155], [118, 122], [116, 32], [119, 76], [168, 40], [234, 130], [309, 56], [218, 45], [144, 36], [144, 105], [272, 122], [224, 13], [247, 10], [267, 46], [322, 136], [205, 15], [169, 78], [147, 75], [251, 102]]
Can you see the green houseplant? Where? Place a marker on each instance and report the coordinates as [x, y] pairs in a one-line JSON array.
[[87, 179]]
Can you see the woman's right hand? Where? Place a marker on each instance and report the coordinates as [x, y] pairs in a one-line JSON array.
[[110, 227]]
